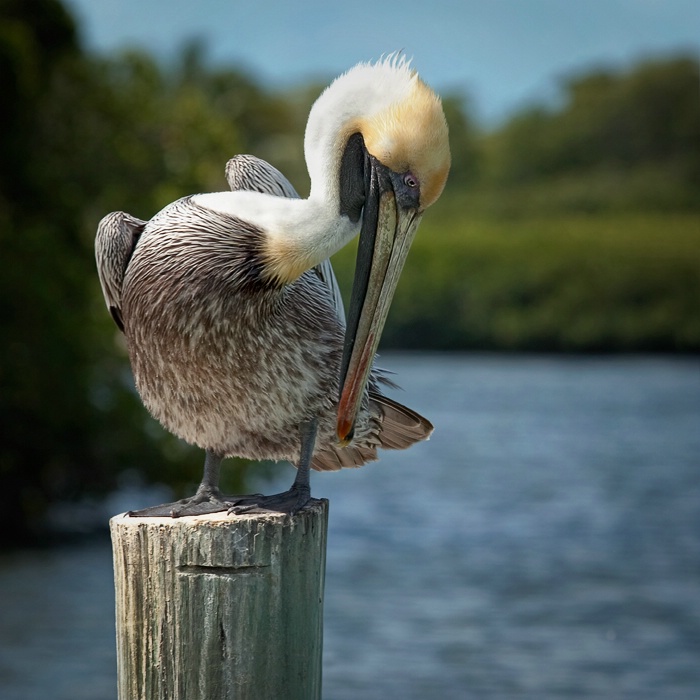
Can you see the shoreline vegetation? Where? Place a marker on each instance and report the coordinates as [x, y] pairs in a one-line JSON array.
[[620, 283], [572, 228]]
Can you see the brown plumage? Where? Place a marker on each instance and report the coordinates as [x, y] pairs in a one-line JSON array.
[[227, 352]]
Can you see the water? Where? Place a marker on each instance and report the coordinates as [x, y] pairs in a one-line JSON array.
[[544, 544]]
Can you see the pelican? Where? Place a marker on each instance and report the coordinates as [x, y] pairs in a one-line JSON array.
[[233, 321]]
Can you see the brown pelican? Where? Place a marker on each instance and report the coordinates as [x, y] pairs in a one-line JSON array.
[[233, 322]]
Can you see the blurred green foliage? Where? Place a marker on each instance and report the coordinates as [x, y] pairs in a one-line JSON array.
[[570, 228], [618, 141], [620, 283]]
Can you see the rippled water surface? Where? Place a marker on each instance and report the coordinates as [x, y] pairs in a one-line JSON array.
[[544, 544]]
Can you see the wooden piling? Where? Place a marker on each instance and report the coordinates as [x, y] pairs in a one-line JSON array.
[[220, 606]]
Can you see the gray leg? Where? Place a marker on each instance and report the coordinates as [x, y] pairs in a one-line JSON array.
[[210, 478], [207, 499], [308, 432], [295, 498]]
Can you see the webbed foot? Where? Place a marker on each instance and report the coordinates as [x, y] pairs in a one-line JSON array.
[[205, 501], [290, 502]]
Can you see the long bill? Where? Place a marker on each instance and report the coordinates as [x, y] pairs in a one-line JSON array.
[[385, 238]]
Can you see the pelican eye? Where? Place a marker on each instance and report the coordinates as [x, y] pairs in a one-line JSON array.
[[410, 180]]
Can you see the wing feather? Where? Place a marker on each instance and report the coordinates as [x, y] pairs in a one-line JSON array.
[[117, 235]]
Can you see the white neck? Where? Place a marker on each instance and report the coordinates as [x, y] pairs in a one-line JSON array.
[[308, 230]]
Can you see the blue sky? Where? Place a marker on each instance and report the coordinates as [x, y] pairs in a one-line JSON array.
[[501, 53]]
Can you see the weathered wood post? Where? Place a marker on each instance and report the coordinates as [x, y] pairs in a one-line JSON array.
[[220, 606]]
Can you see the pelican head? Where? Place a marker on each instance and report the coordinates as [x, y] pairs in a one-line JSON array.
[[377, 143]]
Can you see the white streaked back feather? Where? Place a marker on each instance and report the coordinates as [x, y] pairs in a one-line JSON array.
[[245, 172]]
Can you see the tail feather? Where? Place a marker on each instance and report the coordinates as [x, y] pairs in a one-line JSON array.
[[401, 426], [336, 458], [398, 427]]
